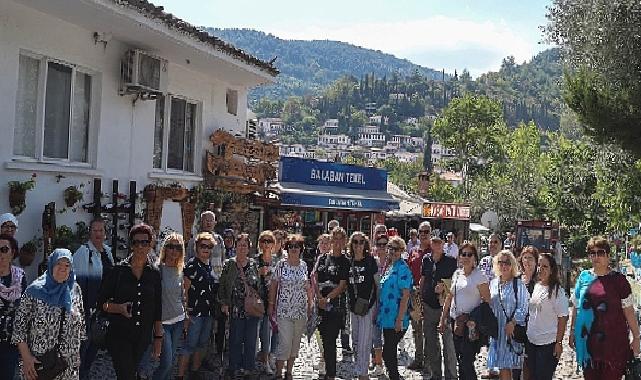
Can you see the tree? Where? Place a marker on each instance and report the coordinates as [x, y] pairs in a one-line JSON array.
[[601, 40], [473, 126]]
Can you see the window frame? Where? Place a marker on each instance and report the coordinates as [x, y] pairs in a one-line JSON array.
[[167, 131], [39, 133]]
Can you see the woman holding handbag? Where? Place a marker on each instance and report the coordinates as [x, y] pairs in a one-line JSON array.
[[362, 297], [290, 297], [238, 294], [49, 323]]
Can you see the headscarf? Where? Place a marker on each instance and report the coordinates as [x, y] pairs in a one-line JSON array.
[[14, 291], [47, 289], [8, 217], [584, 317]]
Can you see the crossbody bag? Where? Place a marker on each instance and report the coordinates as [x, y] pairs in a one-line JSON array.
[[52, 363], [520, 332], [361, 306], [254, 305]]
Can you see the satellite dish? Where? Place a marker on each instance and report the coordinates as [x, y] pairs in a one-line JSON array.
[[490, 220]]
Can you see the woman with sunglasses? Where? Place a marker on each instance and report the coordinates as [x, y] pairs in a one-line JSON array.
[[290, 298], [172, 261], [267, 261], [131, 294], [12, 284], [198, 284], [238, 272], [603, 317], [362, 285], [393, 315], [469, 289], [332, 272], [509, 302], [548, 317], [379, 252]]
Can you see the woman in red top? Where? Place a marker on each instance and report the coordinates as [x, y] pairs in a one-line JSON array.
[[610, 298]]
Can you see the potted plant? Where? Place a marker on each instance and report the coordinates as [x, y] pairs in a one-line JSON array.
[[72, 195], [18, 193]]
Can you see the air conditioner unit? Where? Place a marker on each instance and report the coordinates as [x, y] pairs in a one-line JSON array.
[[143, 73]]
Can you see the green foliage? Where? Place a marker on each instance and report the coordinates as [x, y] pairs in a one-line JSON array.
[[473, 126], [601, 40], [442, 191], [403, 174]]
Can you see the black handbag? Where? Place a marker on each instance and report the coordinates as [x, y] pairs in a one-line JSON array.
[[361, 306], [633, 369], [99, 323], [52, 363]]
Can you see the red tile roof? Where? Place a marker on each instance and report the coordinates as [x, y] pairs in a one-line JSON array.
[[157, 12]]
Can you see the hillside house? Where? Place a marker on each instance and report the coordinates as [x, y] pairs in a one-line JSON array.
[[270, 126], [112, 89], [334, 141]]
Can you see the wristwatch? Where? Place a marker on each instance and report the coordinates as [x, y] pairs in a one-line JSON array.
[[328, 300]]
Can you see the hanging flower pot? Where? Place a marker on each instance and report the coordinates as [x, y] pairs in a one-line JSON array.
[[149, 193], [72, 195], [18, 193]]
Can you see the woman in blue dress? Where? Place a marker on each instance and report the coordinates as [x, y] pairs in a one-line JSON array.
[[510, 310]]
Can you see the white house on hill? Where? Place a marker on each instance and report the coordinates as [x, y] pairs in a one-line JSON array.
[[111, 89]]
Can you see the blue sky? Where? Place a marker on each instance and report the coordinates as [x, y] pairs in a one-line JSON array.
[[453, 34]]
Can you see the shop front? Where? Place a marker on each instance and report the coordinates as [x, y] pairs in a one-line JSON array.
[[448, 217], [313, 192]]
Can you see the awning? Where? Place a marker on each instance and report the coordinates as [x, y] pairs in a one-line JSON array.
[[332, 197]]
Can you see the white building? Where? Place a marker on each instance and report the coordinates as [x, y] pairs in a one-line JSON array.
[[402, 140], [270, 126], [371, 139], [334, 141], [64, 115], [376, 119], [439, 152], [330, 123], [369, 129]]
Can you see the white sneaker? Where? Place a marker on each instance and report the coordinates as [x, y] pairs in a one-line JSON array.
[[378, 370]]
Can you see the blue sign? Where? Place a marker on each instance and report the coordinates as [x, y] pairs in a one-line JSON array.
[[327, 201], [318, 173]]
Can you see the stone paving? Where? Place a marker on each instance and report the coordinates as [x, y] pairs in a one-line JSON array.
[[306, 364]]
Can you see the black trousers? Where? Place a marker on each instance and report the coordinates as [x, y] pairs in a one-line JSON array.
[[221, 320], [126, 350], [390, 345], [466, 352], [541, 361], [329, 328]]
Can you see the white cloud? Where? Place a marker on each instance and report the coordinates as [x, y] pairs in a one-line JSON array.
[[438, 41]]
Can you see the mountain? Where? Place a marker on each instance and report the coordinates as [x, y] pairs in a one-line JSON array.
[[309, 66]]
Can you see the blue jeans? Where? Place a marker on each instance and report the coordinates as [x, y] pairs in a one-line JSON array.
[[242, 343], [8, 360], [168, 353], [268, 338], [197, 335]]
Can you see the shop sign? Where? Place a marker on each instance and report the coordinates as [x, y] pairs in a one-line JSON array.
[[334, 202], [446, 211], [319, 173]]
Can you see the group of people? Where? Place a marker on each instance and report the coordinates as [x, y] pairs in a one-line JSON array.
[[183, 302]]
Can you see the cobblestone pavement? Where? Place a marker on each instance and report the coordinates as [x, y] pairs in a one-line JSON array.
[[306, 364]]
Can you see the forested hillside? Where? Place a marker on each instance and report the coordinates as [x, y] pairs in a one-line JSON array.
[[308, 66]]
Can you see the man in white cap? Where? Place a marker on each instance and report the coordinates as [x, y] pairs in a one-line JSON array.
[[451, 248]]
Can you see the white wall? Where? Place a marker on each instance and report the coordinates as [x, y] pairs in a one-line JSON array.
[[124, 133]]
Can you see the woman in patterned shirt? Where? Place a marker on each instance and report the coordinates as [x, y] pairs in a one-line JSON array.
[[243, 329], [51, 314], [291, 299]]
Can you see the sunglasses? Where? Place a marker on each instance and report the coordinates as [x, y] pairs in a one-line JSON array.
[[381, 245], [294, 246], [10, 227], [176, 247], [142, 243], [506, 263], [358, 241], [393, 249], [424, 232], [598, 252], [4, 249], [206, 246], [494, 242], [266, 241], [466, 254]]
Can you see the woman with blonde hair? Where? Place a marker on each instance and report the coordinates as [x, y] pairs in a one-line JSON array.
[[509, 299], [172, 262]]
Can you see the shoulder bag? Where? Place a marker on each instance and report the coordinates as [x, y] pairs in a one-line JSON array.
[[52, 363], [254, 305], [520, 332], [99, 322], [361, 306]]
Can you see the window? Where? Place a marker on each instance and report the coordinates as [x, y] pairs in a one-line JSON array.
[[53, 111], [231, 99], [174, 134]]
